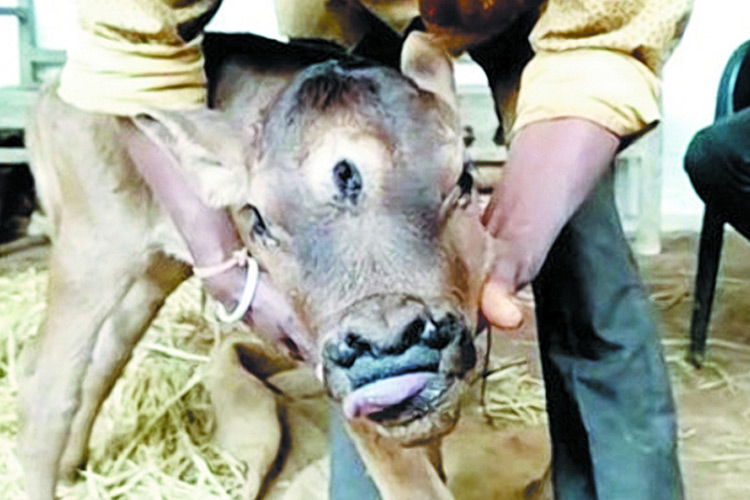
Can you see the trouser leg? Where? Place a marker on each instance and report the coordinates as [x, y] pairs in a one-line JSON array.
[[349, 478], [609, 400], [718, 163]]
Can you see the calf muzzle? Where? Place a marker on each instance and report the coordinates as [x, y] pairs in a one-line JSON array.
[[403, 378]]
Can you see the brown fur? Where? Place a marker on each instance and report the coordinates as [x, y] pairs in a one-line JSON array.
[[117, 256]]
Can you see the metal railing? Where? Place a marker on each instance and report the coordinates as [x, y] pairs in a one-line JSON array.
[[31, 57]]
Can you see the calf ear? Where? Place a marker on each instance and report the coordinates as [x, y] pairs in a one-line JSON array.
[[431, 67], [214, 155]]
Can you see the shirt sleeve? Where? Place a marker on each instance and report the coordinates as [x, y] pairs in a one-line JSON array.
[[133, 55], [600, 60]]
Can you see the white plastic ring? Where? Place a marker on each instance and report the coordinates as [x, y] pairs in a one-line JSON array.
[[248, 294]]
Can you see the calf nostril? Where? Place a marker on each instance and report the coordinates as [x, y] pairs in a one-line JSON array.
[[425, 332], [357, 343], [345, 352], [340, 353], [412, 333], [435, 336]]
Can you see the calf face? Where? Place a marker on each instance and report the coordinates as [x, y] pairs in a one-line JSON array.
[[343, 182], [355, 211], [354, 215]]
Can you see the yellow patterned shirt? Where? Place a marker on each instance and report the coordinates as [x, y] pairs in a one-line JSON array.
[[131, 55], [599, 59], [595, 59]]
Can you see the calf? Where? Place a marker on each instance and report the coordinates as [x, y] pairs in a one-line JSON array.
[[342, 180]]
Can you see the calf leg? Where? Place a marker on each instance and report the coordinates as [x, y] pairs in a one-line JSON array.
[[247, 416], [114, 345], [397, 471], [81, 296]]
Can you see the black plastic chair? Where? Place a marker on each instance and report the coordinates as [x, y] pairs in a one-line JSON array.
[[733, 95]]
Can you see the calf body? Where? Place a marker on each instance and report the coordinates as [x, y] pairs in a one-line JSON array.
[[341, 178]]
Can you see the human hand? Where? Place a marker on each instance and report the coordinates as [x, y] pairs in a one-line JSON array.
[[498, 301], [541, 189], [272, 316], [261, 306], [499, 305]]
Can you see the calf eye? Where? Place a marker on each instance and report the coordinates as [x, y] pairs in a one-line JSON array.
[[257, 227], [348, 181]]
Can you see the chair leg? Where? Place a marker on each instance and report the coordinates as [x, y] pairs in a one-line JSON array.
[[709, 253]]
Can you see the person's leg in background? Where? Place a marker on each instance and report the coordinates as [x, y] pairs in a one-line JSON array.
[[609, 400], [718, 163]]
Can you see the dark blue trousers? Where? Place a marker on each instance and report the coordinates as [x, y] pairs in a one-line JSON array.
[[609, 401], [718, 163]]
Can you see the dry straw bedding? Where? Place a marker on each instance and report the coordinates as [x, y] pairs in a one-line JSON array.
[[152, 439]]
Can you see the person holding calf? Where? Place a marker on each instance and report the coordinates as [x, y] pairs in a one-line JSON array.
[[584, 85]]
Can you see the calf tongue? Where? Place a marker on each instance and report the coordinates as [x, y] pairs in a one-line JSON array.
[[382, 394]]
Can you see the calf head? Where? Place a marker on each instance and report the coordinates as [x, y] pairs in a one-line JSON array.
[[355, 211]]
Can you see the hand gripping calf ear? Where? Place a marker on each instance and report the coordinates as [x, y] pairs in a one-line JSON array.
[[209, 156]]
